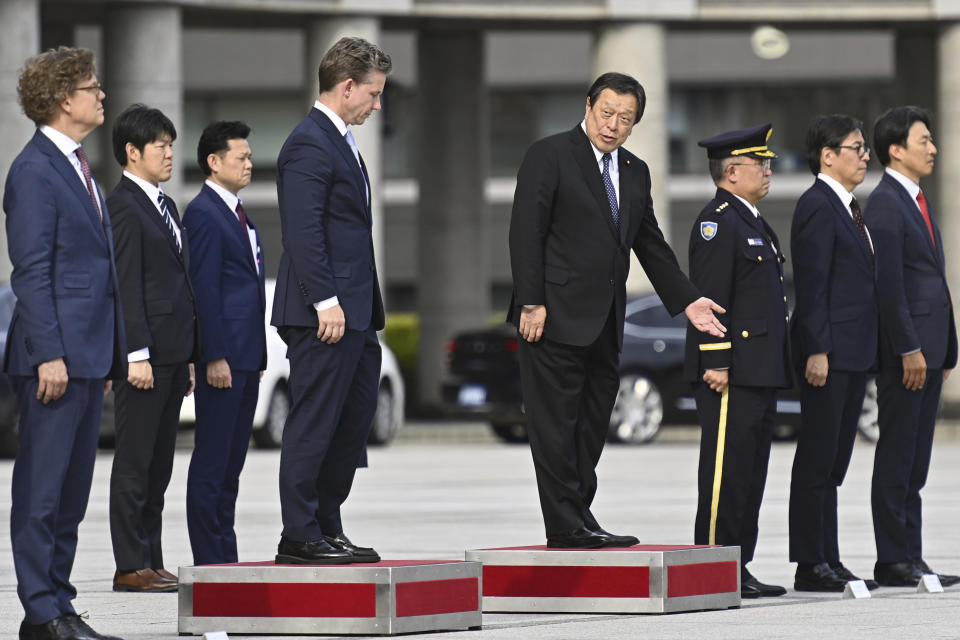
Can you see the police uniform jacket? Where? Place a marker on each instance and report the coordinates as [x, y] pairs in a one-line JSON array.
[[735, 260]]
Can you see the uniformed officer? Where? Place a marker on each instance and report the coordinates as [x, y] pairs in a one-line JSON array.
[[735, 259]]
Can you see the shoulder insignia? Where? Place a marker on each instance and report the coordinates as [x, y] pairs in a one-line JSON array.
[[708, 230], [723, 205]]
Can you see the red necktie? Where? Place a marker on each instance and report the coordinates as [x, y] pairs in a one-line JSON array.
[[858, 220], [922, 201], [243, 216], [87, 176]]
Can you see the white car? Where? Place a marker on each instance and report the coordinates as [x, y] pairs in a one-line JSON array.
[[273, 403]]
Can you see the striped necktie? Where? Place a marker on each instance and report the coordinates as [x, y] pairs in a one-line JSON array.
[[171, 225]]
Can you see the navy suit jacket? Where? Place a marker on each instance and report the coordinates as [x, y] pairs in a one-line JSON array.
[[64, 276], [228, 284], [326, 224], [836, 305], [915, 307]]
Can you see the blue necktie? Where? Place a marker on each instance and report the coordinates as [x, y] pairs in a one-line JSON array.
[[162, 201], [611, 192], [356, 154]]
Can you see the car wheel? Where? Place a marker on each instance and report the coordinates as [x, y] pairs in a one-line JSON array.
[[868, 425], [638, 411], [270, 434], [510, 431], [385, 424]]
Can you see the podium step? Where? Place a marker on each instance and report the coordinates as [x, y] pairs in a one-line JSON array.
[[382, 598], [638, 579]]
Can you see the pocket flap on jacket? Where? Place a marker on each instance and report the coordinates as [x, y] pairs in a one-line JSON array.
[[843, 315], [556, 275], [76, 280], [342, 272], [750, 327], [920, 308]]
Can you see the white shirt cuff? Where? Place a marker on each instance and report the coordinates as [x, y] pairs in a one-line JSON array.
[[326, 304], [138, 355]]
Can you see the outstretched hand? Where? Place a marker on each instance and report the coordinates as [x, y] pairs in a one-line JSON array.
[[701, 314]]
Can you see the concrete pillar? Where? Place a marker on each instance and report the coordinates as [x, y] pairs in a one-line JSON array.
[[639, 50], [21, 20], [453, 229], [321, 35], [143, 62], [947, 135]]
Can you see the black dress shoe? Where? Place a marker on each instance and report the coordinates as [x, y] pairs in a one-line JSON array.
[[845, 574], [945, 580], [817, 577], [312, 552], [577, 539], [613, 540], [897, 574], [750, 587], [81, 625], [28, 631], [360, 554]]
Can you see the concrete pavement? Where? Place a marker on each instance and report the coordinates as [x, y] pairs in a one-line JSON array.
[[441, 489]]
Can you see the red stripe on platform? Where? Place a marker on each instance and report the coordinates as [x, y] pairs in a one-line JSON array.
[[565, 582], [431, 597], [702, 578], [636, 547], [284, 600]]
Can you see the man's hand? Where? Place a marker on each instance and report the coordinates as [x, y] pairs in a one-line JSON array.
[[332, 324], [914, 371], [140, 374], [700, 312], [717, 379], [946, 374], [818, 366], [193, 380], [107, 386], [51, 380], [532, 321], [218, 374]]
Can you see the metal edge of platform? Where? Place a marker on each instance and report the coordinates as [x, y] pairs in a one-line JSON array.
[[285, 573], [711, 601], [592, 557], [270, 626], [501, 604]]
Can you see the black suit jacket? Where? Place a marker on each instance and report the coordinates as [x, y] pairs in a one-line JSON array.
[[915, 307], [565, 251], [836, 306], [155, 292], [733, 263]]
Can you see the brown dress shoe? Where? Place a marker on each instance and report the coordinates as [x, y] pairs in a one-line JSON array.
[[143, 580], [166, 575]]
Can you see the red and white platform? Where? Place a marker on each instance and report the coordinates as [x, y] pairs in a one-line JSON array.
[[382, 598], [638, 579]]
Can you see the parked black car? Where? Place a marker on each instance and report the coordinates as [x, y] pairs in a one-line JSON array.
[[484, 380]]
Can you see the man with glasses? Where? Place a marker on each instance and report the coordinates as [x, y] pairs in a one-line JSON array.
[[918, 344], [66, 336], [735, 259], [834, 337]]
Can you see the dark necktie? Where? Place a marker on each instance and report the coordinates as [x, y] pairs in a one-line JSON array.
[[611, 192], [922, 201], [88, 178], [171, 225], [243, 217], [858, 219], [348, 136]]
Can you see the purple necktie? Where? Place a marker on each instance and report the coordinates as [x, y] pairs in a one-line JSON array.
[[85, 168]]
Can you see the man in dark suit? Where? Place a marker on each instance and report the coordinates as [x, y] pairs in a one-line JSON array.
[[227, 272], [581, 204], [735, 258], [327, 306], [918, 341], [834, 336], [160, 319], [65, 337]]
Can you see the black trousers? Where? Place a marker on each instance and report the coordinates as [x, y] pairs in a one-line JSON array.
[[829, 416], [333, 390], [901, 463], [736, 429], [568, 395], [146, 423]]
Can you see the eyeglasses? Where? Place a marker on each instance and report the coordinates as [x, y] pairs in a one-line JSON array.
[[94, 89], [860, 149], [763, 164]]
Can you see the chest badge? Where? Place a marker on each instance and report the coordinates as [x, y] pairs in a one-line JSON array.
[[708, 230]]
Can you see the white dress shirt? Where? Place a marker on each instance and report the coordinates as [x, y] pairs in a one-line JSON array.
[[614, 168], [68, 147], [845, 197]]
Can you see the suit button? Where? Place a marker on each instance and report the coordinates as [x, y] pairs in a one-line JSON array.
[[784, 298], [612, 282], [787, 318], [781, 278], [759, 258], [745, 333]]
